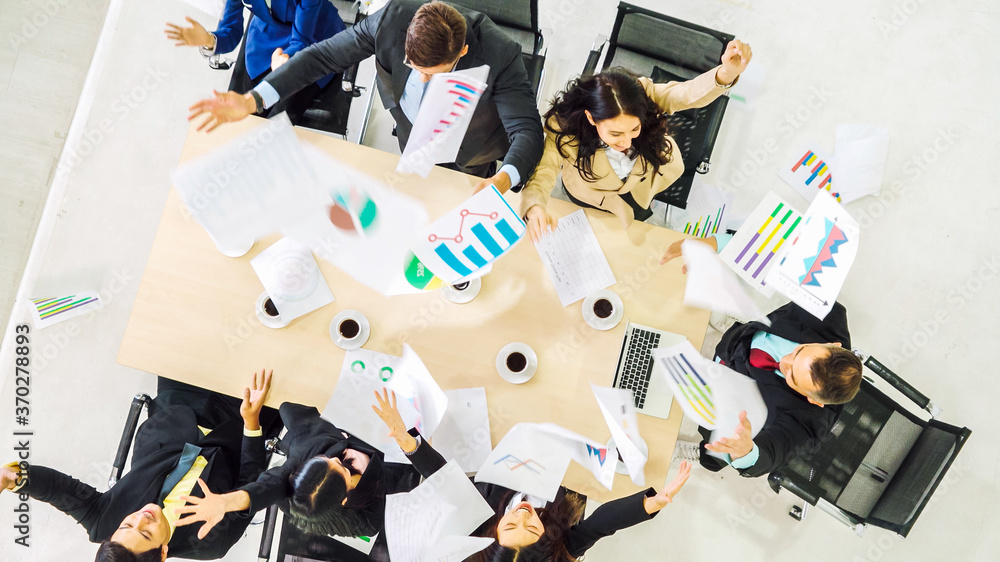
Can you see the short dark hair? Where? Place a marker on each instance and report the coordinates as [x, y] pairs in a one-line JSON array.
[[316, 503], [111, 551], [838, 376], [435, 36]]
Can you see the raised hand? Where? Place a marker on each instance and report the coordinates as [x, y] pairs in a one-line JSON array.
[[386, 409], [540, 222], [666, 495], [734, 61], [254, 397], [737, 446], [210, 509], [225, 107], [674, 251], [194, 36]]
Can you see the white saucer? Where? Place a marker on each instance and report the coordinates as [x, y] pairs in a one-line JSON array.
[[593, 320], [465, 295], [273, 322], [620, 468], [529, 370], [358, 340]]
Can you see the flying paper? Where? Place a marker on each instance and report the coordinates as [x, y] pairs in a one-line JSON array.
[[751, 253], [445, 113], [292, 279], [52, 310], [813, 270], [810, 171], [711, 285], [860, 153], [420, 400], [618, 409], [464, 432]]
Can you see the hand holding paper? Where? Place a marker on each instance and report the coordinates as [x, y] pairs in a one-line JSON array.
[[739, 444]]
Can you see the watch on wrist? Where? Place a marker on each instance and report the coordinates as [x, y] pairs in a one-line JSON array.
[[258, 101]]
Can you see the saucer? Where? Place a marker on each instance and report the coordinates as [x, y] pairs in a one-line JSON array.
[[358, 340], [529, 370], [234, 251], [596, 322], [273, 322]]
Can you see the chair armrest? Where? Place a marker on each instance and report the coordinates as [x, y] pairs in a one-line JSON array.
[[125, 443], [595, 54], [899, 384], [777, 481], [267, 533]]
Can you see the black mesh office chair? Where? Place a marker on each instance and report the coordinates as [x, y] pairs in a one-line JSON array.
[[139, 402], [880, 463], [667, 49], [519, 20]]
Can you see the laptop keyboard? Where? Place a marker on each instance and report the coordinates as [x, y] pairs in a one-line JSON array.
[[638, 364]]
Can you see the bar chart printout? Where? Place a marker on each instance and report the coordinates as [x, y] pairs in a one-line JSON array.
[[469, 237], [751, 253]]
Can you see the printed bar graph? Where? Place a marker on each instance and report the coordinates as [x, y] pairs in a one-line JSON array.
[[445, 253], [752, 250], [809, 173]]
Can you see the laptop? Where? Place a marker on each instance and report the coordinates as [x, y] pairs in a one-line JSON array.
[[638, 372]]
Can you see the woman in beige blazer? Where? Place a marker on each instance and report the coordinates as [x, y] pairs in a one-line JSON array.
[[607, 135]]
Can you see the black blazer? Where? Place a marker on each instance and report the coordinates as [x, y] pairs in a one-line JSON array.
[[309, 436], [610, 517], [792, 422], [506, 124], [233, 459]]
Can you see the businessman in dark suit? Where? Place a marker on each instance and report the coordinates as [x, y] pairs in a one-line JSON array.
[[411, 42], [172, 459], [804, 369]]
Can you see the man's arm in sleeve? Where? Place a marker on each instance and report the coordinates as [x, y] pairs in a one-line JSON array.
[[330, 56], [516, 107], [229, 32], [270, 488], [253, 459], [80, 501], [776, 445]]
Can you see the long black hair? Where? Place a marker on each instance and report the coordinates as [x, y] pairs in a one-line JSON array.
[[607, 95], [557, 518], [317, 492]]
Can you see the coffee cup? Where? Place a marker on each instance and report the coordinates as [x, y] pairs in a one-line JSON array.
[[602, 310], [461, 293], [516, 362], [350, 329], [268, 313]]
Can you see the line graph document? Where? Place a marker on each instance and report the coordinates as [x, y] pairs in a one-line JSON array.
[[574, 259]]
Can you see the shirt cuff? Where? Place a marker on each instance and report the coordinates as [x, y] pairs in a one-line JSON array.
[[17, 466], [722, 239], [419, 441], [515, 177], [268, 94], [252, 432], [747, 460]]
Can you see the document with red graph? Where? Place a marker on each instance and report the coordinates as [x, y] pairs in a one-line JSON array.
[[445, 112], [812, 270]]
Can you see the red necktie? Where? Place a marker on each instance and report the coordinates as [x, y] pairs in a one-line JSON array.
[[760, 359]]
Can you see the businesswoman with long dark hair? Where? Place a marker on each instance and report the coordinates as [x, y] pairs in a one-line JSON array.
[[526, 529], [607, 134]]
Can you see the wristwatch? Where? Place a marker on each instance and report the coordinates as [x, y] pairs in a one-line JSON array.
[[258, 101]]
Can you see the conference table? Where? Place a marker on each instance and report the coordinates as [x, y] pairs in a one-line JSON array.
[[194, 316]]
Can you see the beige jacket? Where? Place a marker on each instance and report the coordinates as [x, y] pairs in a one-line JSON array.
[[606, 192]]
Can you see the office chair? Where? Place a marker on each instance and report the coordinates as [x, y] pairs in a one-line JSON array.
[[879, 464], [667, 49], [519, 20], [139, 402]]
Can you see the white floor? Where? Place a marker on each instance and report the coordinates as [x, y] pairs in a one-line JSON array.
[[922, 295]]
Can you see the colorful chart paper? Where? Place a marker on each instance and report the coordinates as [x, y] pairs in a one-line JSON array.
[[708, 211], [753, 248], [687, 379], [52, 310], [815, 266], [810, 172], [467, 239]]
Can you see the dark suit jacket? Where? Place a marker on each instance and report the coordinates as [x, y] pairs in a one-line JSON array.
[[610, 517], [506, 124], [792, 422], [232, 460], [309, 436]]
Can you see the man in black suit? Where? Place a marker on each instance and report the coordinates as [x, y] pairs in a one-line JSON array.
[[804, 368], [173, 458], [411, 42]]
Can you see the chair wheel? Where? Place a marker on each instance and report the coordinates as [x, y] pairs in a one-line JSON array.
[[796, 513]]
